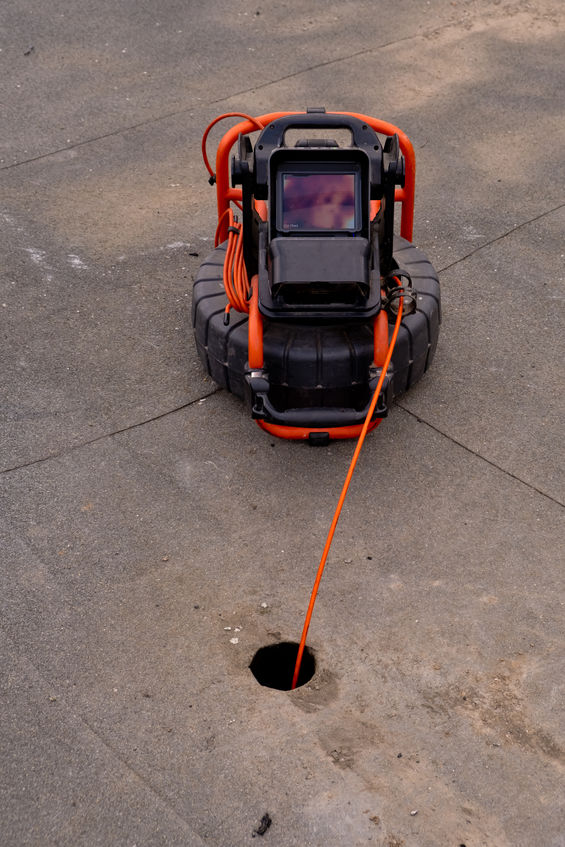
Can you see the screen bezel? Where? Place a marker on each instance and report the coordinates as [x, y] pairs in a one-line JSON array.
[[320, 168]]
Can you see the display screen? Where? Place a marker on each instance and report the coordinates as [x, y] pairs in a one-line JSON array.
[[318, 201]]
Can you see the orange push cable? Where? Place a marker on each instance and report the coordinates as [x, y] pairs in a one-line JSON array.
[[342, 495]]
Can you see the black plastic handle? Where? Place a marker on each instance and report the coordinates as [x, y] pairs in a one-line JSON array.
[[272, 138], [273, 134]]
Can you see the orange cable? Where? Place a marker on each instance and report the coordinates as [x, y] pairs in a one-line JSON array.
[[236, 281], [257, 123], [217, 234], [342, 495]]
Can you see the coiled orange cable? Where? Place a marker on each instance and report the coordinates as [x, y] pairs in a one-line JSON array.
[[236, 281]]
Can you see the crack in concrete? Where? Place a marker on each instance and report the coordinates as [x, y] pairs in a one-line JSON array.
[[501, 237], [95, 138], [65, 451], [326, 64], [470, 450]]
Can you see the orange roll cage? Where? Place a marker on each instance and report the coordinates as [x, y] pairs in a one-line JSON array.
[[226, 194]]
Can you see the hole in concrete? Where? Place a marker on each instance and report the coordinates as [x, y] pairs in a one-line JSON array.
[[273, 666]]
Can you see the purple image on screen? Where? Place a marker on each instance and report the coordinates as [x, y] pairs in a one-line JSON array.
[[318, 201]]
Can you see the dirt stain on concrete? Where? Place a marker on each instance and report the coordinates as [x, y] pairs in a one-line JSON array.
[[496, 708], [319, 692]]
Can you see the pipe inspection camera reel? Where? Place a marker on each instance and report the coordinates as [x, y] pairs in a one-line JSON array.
[[294, 310]]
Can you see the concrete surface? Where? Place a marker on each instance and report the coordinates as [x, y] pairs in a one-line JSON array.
[[144, 517]]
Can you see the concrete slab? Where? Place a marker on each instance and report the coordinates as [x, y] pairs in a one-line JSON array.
[[120, 66], [437, 636], [91, 347], [153, 539], [504, 383], [63, 787]]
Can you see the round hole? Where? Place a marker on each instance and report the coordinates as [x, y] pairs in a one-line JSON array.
[[273, 665]]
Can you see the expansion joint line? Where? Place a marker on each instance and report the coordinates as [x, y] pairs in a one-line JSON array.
[[478, 455], [67, 450], [502, 236], [185, 109]]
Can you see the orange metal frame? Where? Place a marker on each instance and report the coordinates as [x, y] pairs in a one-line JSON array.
[[226, 195], [299, 433]]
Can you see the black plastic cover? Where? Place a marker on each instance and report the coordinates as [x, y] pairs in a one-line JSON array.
[[320, 260]]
